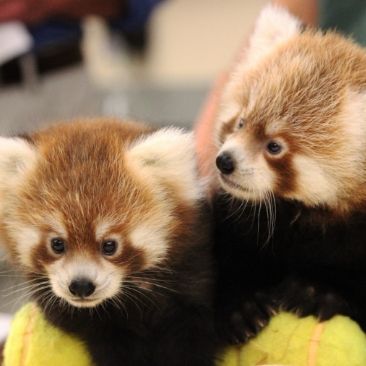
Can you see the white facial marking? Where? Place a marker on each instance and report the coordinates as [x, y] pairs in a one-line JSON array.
[[106, 277], [353, 121], [27, 238], [54, 221], [152, 240], [314, 186], [229, 111], [104, 226], [275, 127], [252, 178]]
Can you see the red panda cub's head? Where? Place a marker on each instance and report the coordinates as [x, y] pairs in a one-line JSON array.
[[293, 117], [86, 205]]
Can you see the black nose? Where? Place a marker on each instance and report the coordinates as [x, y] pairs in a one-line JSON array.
[[81, 287], [225, 163]]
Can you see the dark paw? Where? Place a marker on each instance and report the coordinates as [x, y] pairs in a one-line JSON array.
[[246, 320], [306, 299]]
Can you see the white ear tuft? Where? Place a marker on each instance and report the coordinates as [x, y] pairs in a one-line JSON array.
[[16, 157], [169, 155], [274, 26], [165, 146]]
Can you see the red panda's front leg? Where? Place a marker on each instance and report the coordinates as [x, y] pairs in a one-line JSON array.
[[312, 297]]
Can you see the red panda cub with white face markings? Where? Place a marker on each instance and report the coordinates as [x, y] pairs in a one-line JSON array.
[[108, 221], [292, 152]]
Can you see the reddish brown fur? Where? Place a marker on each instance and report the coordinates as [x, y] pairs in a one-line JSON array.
[[286, 182], [95, 181], [62, 179]]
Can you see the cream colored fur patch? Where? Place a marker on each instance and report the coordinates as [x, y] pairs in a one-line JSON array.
[[26, 239], [168, 155], [106, 277], [16, 156], [353, 119], [152, 239], [314, 186], [274, 26], [104, 226], [54, 221], [251, 173]]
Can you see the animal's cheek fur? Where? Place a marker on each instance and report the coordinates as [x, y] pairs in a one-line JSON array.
[[254, 173], [315, 185], [21, 241], [41, 257], [251, 172], [285, 174], [132, 259], [302, 178]]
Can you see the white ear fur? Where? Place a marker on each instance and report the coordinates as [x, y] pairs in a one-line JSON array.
[[274, 26], [169, 155], [16, 157]]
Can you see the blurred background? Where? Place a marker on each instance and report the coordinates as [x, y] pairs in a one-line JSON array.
[[154, 61], [151, 60]]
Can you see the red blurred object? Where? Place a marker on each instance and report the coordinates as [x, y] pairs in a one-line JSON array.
[[34, 11]]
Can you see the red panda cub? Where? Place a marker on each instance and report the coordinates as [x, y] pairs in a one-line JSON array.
[[291, 225], [107, 219]]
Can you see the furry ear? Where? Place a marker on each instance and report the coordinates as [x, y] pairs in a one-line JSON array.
[[168, 155], [16, 157], [274, 26]]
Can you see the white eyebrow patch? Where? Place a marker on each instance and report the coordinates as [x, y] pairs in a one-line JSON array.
[[103, 228], [54, 221], [152, 240], [275, 127], [229, 111]]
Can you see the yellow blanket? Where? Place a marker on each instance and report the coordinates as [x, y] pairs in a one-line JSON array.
[[287, 341]]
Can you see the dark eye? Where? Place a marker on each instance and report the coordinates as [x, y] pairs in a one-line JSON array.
[[109, 247], [274, 148], [58, 245], [241, 123]]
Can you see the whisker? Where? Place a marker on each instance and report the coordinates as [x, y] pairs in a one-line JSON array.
[[19, 290], [133, 299]]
